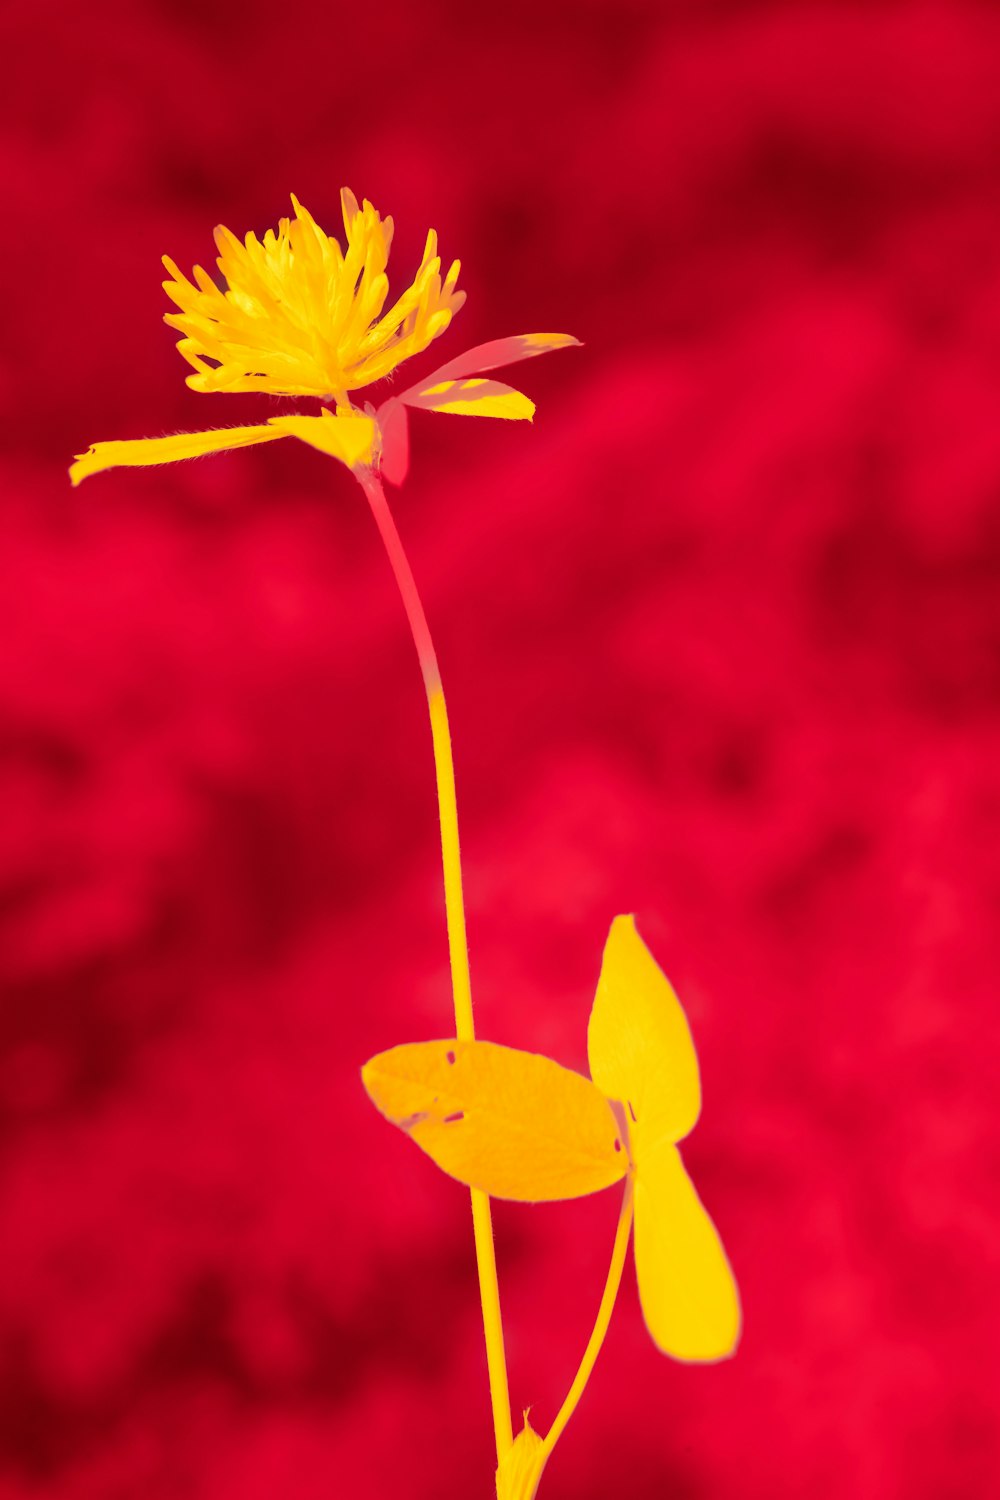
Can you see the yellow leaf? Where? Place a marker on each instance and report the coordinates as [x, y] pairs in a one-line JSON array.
[[639, 1043], [512, 1123], [141, 452], [473, 398], [688, 1294]]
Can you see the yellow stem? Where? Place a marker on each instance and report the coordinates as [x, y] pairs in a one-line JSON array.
[[482, 1224], [604, 1312]]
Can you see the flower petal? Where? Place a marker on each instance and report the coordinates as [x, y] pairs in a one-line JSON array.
[[514, 1124], [689, 1296], [350, 437], [140, 452], [639, 1043], [498, 352], [471, 398]]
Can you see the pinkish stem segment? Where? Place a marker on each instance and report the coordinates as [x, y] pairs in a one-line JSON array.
[[482, 1223]]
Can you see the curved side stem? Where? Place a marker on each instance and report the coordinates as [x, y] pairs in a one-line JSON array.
[[482, 1223], [604, 1312]]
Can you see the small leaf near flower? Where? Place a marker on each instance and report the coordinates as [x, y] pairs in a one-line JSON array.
[[473, 398]]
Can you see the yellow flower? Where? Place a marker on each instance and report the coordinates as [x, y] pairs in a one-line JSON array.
[[520, 1126], [299, 316]]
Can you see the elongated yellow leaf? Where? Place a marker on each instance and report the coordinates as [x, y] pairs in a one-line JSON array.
[[512, 1123], [140, 452], [639, 1043], [686, 1287]]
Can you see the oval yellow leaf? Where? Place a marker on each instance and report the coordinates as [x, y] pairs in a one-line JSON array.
[[639, 1043], [686, 1287], [512, 1123], [473, 398]]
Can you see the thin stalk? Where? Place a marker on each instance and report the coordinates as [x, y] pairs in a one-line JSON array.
[[482, 1224], [604, 1312]]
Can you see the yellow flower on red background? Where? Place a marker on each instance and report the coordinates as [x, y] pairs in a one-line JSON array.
[[521, 1126], [299, 316]]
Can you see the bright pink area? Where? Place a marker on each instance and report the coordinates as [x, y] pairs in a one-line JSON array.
[[721, 639]]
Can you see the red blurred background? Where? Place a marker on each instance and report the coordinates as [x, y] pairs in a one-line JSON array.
[[721, 640]]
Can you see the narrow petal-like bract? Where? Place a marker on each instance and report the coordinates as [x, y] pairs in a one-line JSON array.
[[517, 1125], [141, 452], [687, 1290], [639, 1042]]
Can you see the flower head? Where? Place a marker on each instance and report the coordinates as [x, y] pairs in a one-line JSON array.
[[521, 1126], [301, 317], [297, 315]]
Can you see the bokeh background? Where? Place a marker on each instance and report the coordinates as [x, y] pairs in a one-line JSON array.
[[722, 644]]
